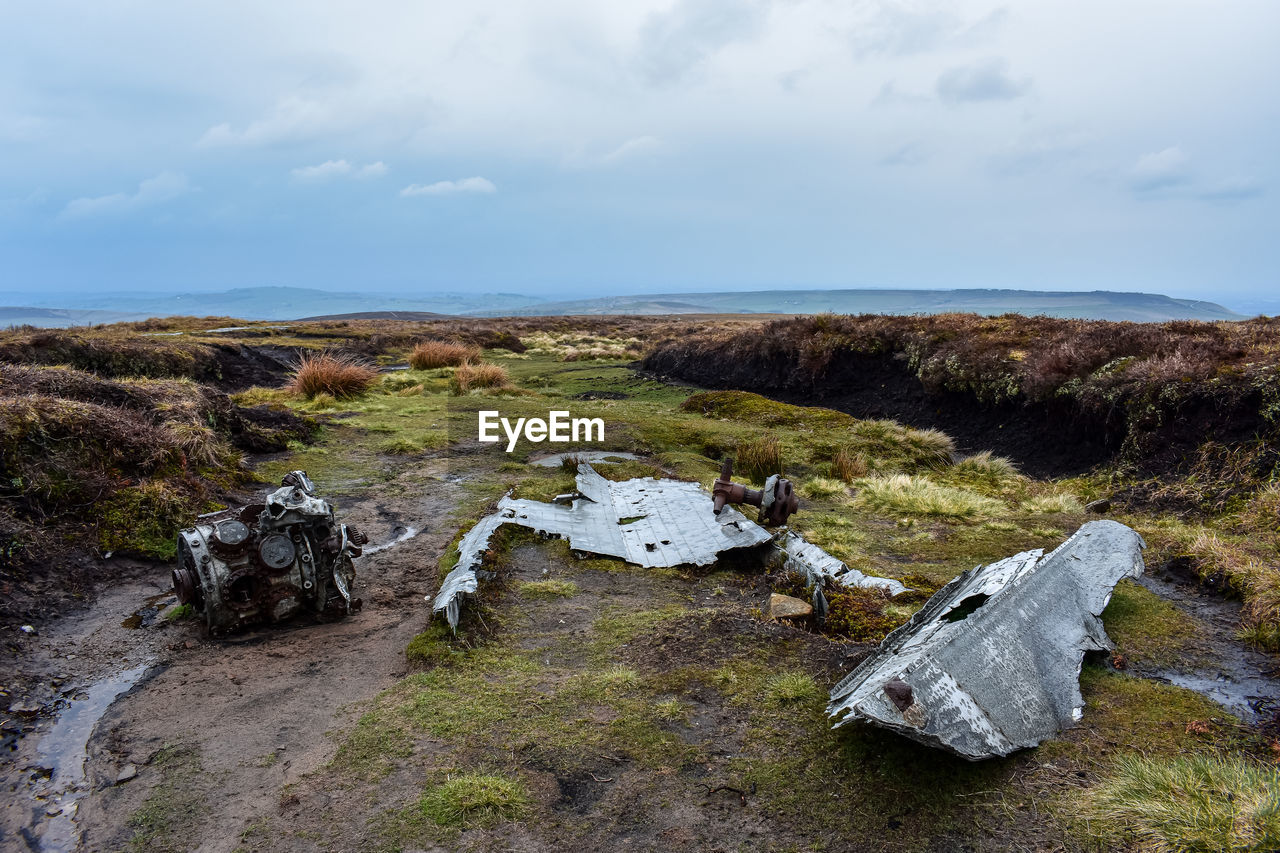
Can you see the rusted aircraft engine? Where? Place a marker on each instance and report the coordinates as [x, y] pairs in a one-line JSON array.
[[777, 500], [269, 562]]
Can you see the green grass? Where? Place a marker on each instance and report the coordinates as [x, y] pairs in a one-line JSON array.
[[474, 799], [174, 809], [1203, 803], [790, 688], [1148, 629]]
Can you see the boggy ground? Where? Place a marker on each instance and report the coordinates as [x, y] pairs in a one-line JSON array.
[[592, 705]]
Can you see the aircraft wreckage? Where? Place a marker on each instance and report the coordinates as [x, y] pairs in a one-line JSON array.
[[989, 665]]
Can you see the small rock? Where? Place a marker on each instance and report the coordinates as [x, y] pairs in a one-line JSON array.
[[786, 607], [126, 773], [28, 629], [25, 708], [1100, 506]]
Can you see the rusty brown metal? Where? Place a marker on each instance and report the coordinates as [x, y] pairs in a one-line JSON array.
[[777, 500]]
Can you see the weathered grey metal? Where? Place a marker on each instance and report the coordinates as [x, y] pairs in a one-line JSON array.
[[269, 562], [653, 523], [822, 569], [991, 663]]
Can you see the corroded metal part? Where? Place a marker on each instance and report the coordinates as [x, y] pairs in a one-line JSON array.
[[777, 500], [268, 562], [991, 663], [648, 522]]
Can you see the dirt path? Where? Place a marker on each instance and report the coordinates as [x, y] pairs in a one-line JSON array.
[[209, 730]]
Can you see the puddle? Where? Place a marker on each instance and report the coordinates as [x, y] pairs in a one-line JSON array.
[[1243, 697], [146, 615], [405, 534], [1236, 676], [63, 751], [595, 457]]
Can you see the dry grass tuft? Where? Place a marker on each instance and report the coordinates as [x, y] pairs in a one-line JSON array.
[[759, 458], [470, 377], [849, 465], [428, 355], [340, 376]]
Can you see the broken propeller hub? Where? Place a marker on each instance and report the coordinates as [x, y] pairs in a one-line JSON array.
[[777, 500]]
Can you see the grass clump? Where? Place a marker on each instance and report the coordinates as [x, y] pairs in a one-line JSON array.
[[470, 377], [1053, 503], [849, 465], [791, 688], [819, 488], [903, 493], [859, 614], [548, 589], [985, 467], [1198, 802], [759, 458], [428, 355], [474, 799], [340, 376]]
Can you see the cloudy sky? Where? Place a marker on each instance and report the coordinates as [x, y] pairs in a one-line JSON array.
[[569, 148]]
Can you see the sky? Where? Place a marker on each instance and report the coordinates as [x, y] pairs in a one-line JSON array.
[[568, 149]]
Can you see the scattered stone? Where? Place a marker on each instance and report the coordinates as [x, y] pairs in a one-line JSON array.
[[786, 607], [129, 771], [26, 708], [1100, 506], [28, 629]]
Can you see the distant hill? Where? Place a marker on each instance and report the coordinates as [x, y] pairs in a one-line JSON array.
[[1092, 305], [292, 303]]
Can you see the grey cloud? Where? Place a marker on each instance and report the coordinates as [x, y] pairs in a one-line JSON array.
[[987, 80], [1038, 150], [674, 43]]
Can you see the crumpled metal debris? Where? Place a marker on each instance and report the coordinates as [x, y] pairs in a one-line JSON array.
[[270, 561], [991, 663], [653, 523], [821, 570]]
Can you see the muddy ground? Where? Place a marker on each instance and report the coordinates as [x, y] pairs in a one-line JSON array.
[[253, 709], [198, 743]]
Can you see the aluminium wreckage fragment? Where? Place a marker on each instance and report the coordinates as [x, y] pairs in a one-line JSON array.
[[652, 523], [991, 663]]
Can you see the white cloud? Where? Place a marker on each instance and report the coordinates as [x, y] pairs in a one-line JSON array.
[[632, 148], [292, 119], [331, 169], [466, 185], [164, 187], [324, 171], [1160, 170]]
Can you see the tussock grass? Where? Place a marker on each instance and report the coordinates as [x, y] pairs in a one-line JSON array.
[[340, 376], [985, 467], [759, 458], [902, 493], [427, 355], [1053, 503], [470, 377], [849, 465], [1198, 803], [474, 799]]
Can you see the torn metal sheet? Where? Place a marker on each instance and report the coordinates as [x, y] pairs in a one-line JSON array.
[[991, 663], [652, 523], [820, 568]]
